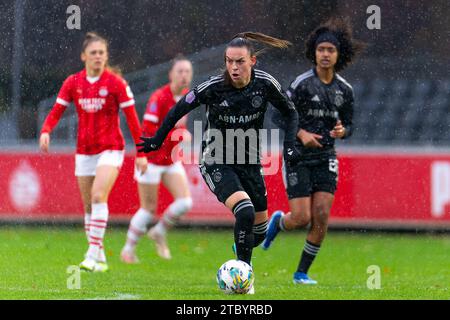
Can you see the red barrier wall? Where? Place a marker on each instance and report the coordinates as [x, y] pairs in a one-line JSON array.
[[390, 190]]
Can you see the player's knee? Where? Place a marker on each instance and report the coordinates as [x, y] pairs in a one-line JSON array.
[[98, 196], [180, 206], [301, 219], [321, 213]]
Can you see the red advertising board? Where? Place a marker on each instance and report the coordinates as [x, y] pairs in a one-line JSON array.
[[383, 189]]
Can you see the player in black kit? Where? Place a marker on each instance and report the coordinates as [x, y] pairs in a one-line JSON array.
[[235, 106], [324, 102]]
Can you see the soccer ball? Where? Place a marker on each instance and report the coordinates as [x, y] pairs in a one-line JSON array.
[[235, 276]]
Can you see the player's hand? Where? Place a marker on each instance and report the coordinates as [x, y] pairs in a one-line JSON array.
[[149, 144], [141, 164], [290, 153], [338, 131], [44, 142], [309, 139]]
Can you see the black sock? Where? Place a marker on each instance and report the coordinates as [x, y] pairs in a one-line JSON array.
[[244, 212], [260, 231], [309, 253]]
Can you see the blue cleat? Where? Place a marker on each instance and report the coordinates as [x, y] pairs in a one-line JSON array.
[[233, 247], [302, 278], [272, 229]]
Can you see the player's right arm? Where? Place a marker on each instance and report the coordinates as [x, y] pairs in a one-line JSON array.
[[298, 95], [62, 102]]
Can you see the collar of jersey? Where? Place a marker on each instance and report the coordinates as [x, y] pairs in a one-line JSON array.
[[325, 84], [85, 76]]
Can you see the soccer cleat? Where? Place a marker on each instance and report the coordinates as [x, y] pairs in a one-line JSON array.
[[302, 278], [88, 265], [161, 244], [101, 267], [252, 290], [129, 257], [272, 229]]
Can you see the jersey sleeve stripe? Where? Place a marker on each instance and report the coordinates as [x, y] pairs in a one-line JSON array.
[[206, 84], [275, 83], [344, 81], [128, 103], [270, 77], [300, 78], [263, 73], [151, 118], [62, 102]]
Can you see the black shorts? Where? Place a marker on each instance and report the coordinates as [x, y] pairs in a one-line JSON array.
[[224, 180], [302, 180]]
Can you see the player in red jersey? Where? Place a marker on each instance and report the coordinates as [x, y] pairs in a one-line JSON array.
[[98, 94], [161, 167]]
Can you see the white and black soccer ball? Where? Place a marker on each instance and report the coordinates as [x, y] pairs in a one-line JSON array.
[[235, 276]]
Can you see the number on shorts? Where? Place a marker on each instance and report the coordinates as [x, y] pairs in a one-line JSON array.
[[334, 165]]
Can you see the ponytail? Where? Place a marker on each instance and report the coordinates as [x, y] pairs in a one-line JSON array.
[[264, 39], [247, 39]]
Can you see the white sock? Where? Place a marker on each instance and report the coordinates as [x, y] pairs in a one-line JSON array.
[[173, 213], [101, 255], [138, 226], [99, 221], [87, 224], [281, 223]]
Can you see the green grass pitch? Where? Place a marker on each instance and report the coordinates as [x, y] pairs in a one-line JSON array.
[[35, 261]]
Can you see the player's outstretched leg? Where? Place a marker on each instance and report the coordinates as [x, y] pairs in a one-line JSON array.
[[170, 218], [158, 235], [138, 226], [273, 229]]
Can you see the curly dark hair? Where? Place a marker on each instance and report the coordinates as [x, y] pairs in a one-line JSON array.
[[348, 46]]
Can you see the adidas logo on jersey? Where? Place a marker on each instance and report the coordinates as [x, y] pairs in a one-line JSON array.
[[316, 98], [224, 104]]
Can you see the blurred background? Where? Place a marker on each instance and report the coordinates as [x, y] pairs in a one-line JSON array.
[[401, 81]]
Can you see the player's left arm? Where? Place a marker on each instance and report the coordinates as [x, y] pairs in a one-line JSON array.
[[278, 98], [344, 126], [127, 104]]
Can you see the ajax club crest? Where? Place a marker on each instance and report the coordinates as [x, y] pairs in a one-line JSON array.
[[257, 102]]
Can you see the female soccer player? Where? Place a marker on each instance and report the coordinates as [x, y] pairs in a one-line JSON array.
[[97, 94], [161, 167], [235, 106], [324, 102]]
